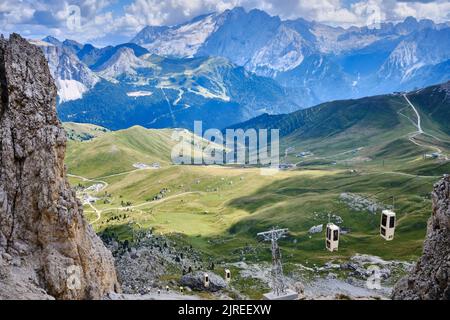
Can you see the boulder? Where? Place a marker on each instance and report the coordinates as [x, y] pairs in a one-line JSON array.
[[195, 281]]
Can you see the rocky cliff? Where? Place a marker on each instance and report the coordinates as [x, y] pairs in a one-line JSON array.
[[431, 277], [47, 248]]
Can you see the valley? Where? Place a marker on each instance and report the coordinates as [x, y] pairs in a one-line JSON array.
[[347, 172], [224, 150]]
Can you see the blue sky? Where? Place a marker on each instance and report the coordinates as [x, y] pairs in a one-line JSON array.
[[114, 21]]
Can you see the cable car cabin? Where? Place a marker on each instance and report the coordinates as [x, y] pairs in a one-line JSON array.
[[227, 275], [332, 241], [206, 280], [387, 225]]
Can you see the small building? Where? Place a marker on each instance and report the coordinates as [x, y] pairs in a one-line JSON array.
[[387, 225]]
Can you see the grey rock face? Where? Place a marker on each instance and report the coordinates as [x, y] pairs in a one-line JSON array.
[[43, 233], [430, 280], [65, 66], [196, 281]]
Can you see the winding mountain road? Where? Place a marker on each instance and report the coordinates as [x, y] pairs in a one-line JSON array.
[[419, 120], [104, 186], [99, 212], [421, 131], [104, 183]]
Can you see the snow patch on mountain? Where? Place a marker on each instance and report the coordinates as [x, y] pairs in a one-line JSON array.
[[206, 80], [183, 40], [69, 90], [282, 53], [409, 73], [40, 43], [209, 94], [136, 94], [404, 56], [73, 78]]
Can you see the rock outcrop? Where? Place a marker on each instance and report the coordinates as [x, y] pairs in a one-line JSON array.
[[196, 281], [47, 249], [430, 279]]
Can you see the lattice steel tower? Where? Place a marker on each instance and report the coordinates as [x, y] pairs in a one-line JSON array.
[[279, 287]]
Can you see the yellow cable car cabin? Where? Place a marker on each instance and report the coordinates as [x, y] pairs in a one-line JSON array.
[[332, 237], [387, 225]]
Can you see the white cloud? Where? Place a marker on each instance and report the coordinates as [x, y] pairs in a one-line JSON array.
[[335, 12], [155, 12], [438, 11], [102, 18]]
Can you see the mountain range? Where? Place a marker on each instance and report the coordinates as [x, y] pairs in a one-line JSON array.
[[228, 67], [302, 54]]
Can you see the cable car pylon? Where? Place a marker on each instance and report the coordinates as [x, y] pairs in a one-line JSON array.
[[280, 291]]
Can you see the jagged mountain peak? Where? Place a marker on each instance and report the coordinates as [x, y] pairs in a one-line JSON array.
[[181, 40], [101, 56], [73, 78], [416, 50], [72, 45], [120, 54], [52, 40], [149, 34], [123, 62]]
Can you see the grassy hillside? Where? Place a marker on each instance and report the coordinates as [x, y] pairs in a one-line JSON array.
[[434, 103], [332, 117], [377, 130], [117, 151], [83, 131]]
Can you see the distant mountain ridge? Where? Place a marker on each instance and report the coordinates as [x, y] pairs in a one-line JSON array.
[[281, 49], [259, 64], [157, 92], [244, 36]]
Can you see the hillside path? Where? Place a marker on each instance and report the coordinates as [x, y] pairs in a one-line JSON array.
[[420, 130], [419, 125]]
